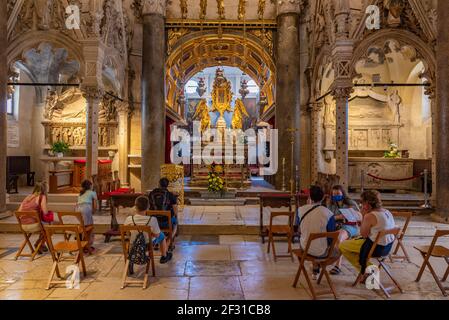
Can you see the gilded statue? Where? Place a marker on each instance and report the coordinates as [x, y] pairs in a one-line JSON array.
[[202, 113], [261, 9], [242, 9], [184, 11], [221, 94], [203, 7], [239, 114], [221, 9]]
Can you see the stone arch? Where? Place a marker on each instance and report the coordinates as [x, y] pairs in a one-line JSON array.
[[34, 39], [322, 60], [205, 49], [404, 38]]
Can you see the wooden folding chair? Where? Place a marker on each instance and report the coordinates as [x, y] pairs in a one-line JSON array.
[[407, 215], [381, 262], [281, 230], [66, 246], [31, 215], [78, 216], [125, 232], [331, 257], [169, 231], [436, 251]]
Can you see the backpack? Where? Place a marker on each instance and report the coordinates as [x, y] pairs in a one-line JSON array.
[[159, 200], [138, 252]]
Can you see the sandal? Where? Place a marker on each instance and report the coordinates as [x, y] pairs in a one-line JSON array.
[[335, 271]]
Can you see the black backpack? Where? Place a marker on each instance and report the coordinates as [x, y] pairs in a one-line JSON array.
[[159, 200], [138, 251]]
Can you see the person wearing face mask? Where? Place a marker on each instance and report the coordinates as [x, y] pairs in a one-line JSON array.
[[375, 219], [340, 200]]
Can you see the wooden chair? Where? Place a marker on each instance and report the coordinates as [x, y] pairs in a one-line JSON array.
[[381, 262], [32, 215], [125, 231], [66, 246], [170, 231], [331, 257], [281, 230], [407, 215], [436, 251], [86, 230]]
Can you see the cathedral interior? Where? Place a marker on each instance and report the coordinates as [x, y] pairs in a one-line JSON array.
[[357, 92]]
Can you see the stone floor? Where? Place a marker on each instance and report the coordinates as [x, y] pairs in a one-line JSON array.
[[203, 267]]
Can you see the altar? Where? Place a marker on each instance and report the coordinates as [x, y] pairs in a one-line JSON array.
[[218, 144]]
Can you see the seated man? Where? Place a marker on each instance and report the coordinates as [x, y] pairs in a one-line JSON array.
[[375, 219], [140, 218], [315, 218], [162, 199]]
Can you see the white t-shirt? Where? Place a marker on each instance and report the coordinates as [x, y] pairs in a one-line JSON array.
[[141, 220], [315, 222]]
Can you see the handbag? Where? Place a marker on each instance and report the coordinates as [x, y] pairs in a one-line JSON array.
[[46, 217]]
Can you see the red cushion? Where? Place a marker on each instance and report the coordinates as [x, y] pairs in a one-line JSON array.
[[124, 190]]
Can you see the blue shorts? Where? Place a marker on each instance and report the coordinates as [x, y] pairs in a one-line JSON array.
[[159, 238], [164, 224], [353, 231]]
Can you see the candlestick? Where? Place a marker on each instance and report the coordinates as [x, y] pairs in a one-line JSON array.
[[283, 174]]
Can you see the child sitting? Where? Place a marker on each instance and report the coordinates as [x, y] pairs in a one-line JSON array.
[[140, 218]]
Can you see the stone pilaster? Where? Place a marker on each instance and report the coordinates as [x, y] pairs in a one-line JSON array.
[[442, 110], [341, 96], [3, 95], [315, 112], [123, 141], [153, 92], [38, 132], [93, 96], [287, 90]]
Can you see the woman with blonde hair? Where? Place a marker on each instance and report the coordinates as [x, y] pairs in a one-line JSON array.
[[37, 201]]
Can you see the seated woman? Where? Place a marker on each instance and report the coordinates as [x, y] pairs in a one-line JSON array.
[[340, 200], [36, 201], [86, 204], [375, 219]]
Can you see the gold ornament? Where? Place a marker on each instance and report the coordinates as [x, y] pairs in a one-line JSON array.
[[202, 113], [239, 114]]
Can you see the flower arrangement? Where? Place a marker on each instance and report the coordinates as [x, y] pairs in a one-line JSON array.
[[215, 181], [393, 152]]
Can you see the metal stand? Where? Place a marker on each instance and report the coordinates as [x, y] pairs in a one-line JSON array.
[[283, 175], [426, 204], [362, 180]]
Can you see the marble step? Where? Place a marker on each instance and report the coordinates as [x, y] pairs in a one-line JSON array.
[[53, 206], [59, 198], [217, 202]]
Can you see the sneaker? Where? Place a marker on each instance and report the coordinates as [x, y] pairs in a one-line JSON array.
[[315, 273], [167, 258]]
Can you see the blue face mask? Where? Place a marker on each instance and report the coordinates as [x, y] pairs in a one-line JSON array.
[[337, 198]]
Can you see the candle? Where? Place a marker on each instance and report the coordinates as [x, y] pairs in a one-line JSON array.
[[283, 161]]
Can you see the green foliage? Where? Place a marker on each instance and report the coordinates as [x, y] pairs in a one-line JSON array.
[[60, 147]]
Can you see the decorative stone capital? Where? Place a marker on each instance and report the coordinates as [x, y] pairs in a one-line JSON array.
[[91, 92], [289, 6], [123, 108], [342, 93], [154, 7]]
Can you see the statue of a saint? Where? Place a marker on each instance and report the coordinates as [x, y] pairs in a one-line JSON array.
[[394, 102]]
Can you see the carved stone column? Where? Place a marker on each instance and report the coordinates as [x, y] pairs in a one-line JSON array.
[[315, 112], [341, 96], [442, 123], [3, 95], [124, 113], [153, 93], [92, 96], [38, 133], [288, 89]]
